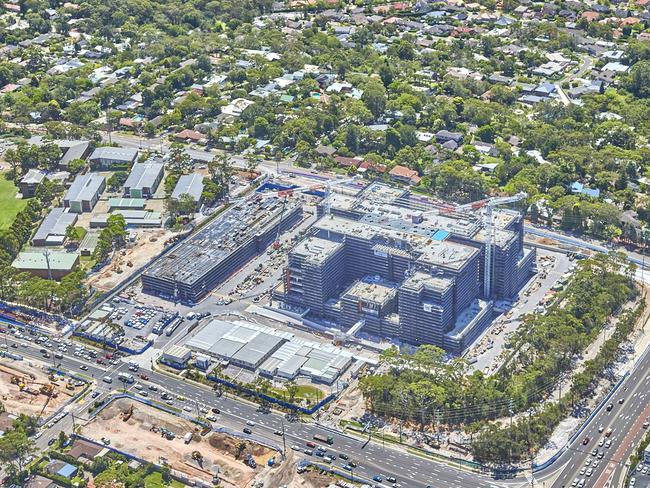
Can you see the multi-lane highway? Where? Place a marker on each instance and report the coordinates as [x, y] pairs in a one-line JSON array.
[[373, 458], [629, 407]]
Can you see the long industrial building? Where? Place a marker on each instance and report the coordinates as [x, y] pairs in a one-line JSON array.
[[220, 249], [388, 263]]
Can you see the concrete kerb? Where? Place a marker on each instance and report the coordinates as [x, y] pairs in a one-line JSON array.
[[611, 392]]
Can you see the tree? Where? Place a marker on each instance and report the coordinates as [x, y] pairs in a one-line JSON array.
[[252, 162], [221, 170], [374, 96], [72, 234], [62, 439], [117, 179], [638, 80], [292, 390], [15, 448], [185, 204]]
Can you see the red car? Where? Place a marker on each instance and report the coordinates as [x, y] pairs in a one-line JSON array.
[[144, 377], [100, 361], [585, 441]]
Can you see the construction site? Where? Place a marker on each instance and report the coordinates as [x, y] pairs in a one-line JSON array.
[[191, 452], [385, 262], [220, 249], [30, 390]]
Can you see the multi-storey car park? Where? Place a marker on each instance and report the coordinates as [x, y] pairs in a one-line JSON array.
[[221, 248], [382, 262]]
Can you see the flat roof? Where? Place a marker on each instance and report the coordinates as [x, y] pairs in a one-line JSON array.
[[257, 348], [84, 187], [143, 175], [200, 253], [376, 292], [316, 250], [189, 184], [447, 254], [126, 203], [420, 279], [63, 261]]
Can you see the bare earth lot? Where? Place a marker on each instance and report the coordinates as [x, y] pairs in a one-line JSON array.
[[16, 401], [149, 243], [135, 436]]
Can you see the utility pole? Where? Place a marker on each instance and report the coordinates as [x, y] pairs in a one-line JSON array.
[[284, 442]]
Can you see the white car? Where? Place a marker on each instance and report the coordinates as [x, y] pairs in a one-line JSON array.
[[296, 447], [187, 408], [251, 423]]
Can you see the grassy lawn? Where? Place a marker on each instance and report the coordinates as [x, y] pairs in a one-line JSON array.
[[9, 204], [303, 392], [86, 262], [154, 480]]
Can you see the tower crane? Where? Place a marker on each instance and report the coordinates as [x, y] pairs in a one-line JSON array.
[[285, 194], [489, 204], [326, 185]]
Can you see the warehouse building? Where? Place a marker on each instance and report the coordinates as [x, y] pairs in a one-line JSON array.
[[176, 356], [135, 219], [52, 230], [54, 264], [382, 263], [126, 204], [219, 249], [191, 185], [144, 179], [110, 157], [84, 192], [270, 352]]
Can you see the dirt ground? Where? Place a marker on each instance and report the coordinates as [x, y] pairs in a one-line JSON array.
[[149, 243], [286, 475], [16, 401], [136, 437]]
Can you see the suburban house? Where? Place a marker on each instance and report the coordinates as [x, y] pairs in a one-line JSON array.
[[443, 136], [84, 192], [404, 175], [51, 232], [108, 157], [29, 182], [143, 180]]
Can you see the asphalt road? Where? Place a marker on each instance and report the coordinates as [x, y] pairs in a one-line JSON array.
[[373, 458], [626, 421]]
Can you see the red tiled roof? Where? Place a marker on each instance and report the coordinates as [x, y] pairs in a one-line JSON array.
[[590, 15], [403, 172], [189, 134]]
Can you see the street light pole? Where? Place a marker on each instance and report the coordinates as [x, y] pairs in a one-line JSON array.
[[284, 442]]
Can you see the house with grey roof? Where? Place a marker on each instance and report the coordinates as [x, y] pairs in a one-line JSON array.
[[51, 232], [28, 183], [191, 185], [108, 157], [144, 179], [84, 192]]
